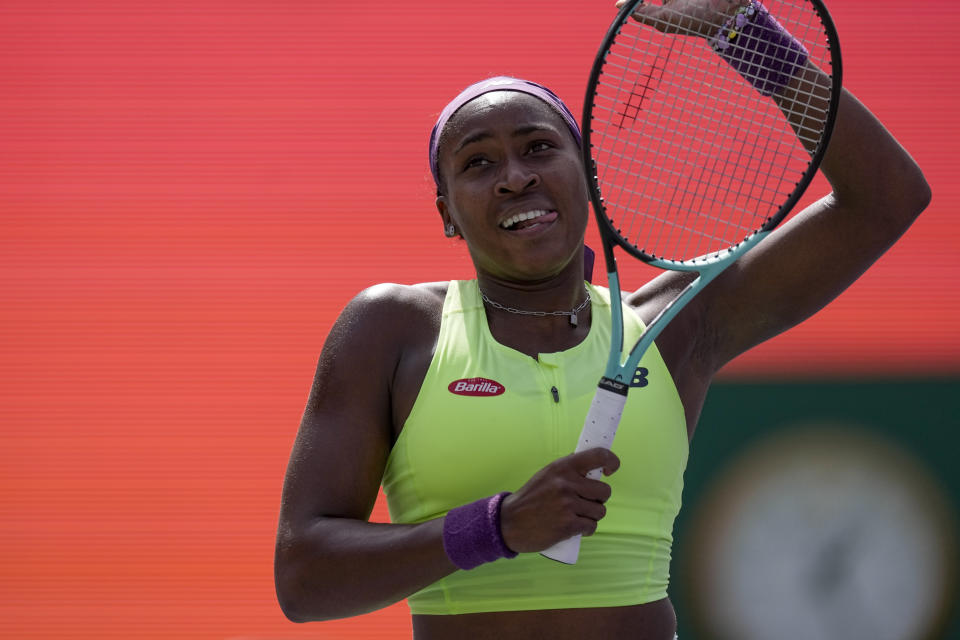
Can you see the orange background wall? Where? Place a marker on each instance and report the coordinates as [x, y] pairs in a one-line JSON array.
[[189, 193]]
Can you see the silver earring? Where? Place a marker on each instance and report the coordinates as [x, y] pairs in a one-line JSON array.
[[450, 231]]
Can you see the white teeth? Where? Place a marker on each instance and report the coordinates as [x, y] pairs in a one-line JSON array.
[[520, 217]]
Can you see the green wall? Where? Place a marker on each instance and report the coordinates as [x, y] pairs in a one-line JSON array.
[[918, 419]]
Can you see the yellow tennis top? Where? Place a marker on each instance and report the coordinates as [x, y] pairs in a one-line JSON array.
[[488, 417]]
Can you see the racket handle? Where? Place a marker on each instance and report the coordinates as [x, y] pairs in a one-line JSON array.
[[565, 551], [598, 430]]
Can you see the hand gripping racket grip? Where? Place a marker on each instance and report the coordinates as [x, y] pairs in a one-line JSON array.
[[598, 430]]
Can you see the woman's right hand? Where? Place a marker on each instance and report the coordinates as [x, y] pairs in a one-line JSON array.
[[558, 502]]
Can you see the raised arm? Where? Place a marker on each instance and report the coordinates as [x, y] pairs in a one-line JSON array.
[[877, 192], [330, 561]]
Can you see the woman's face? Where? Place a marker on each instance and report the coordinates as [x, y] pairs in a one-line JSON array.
[[512, 184]]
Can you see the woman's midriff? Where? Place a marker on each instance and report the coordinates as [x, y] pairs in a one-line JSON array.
[[650, 621]]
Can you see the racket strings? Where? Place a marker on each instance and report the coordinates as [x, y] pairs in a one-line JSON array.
[[682, 199], [690, 158], [776, 165], [685, 68], [656, 71], [711, 180]]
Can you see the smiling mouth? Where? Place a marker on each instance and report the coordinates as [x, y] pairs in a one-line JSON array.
[[528, 219]]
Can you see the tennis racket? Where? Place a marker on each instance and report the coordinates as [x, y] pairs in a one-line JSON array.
[[689, 162]]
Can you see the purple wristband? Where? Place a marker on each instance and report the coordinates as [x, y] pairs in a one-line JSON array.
[[471, 533], [759, 48]]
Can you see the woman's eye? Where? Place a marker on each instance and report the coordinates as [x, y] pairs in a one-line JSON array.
[[476, 161], [540, 146]]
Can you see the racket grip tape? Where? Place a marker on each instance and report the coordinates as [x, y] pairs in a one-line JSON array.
[[603, 418], [599, 428]]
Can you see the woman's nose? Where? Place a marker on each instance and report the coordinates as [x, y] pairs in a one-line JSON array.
[[517, 176]]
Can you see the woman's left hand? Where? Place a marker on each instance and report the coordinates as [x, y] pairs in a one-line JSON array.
[[685, 17]]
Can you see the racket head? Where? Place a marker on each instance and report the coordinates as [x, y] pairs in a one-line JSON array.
[[685, 159]]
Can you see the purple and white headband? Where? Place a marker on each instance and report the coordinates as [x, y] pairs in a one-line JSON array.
[[497, 83]]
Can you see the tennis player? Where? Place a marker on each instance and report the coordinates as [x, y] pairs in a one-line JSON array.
[[462, 399]]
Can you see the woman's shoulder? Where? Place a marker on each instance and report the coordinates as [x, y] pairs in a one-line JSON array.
[[393, 314], [387, 299], [384, 326], [393, 331]]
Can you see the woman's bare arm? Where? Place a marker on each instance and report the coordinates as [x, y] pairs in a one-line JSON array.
[[878, 191], [330, 561]]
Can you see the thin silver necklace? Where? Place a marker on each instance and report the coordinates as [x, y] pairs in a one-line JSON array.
[[523, 312]]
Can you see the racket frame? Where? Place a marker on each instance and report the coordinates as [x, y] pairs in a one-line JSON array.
[[606, 408], [707, 267]]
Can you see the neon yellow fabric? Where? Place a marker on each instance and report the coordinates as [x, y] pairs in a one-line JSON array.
[[455, 449]]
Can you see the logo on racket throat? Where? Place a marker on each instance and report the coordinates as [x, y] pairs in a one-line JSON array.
[[640, 377], [476, 387]]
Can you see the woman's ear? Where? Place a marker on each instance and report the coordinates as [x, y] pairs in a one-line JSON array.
[[449, 229]]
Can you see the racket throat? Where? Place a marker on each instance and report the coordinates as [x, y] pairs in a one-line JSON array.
[[618, 387]]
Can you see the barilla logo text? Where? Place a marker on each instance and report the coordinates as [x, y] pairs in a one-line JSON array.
[[476, 387]]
